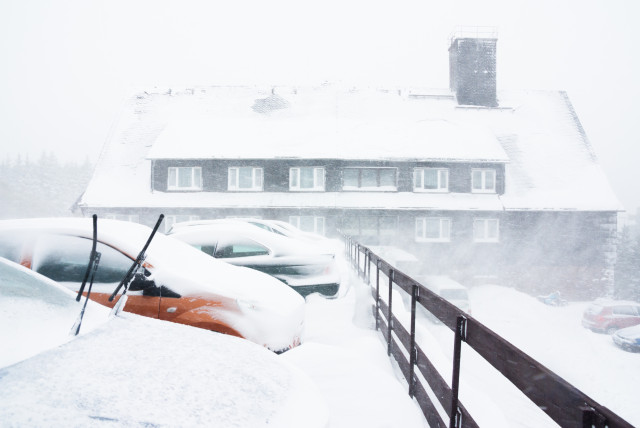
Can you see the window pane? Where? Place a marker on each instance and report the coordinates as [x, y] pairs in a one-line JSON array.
[[490, 180], [432, 228], [444, 178], [369, 177], [172, 177], [240, 247], [417, 178], [306, 178], [293, 177], [184, 177], [245, 179], [319, 180], [350, 177], [420, 227], [233, 178], [320, 226], [197, 177], [492, 229], [257, 183], [446, 229], [388, 177], [476, 179], [478, 229], [430, 178]]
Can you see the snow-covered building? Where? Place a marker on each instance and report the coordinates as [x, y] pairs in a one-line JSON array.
[[478, 184]]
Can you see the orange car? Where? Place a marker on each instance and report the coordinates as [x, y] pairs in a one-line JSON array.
[[179, 283]]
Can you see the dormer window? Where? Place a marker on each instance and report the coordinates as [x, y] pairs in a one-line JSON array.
[[483, 180], [308, 179], [246, 178], [185, 178], [372, 179], [431, 180]]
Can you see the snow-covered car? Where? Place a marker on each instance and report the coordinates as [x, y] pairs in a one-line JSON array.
[[628, 338], [301, 265], [129, 370], [608, 316], [181, 284], [448, 289]]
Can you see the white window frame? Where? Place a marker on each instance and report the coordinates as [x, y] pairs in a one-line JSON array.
[[486, 229], [170, 220], [318, 179], [318, 223], [359, 188], [443, 179], [196, 177], [483, 180], [444, 225], [257, 179]]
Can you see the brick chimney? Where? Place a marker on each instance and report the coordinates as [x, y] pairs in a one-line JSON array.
[[472, 66]]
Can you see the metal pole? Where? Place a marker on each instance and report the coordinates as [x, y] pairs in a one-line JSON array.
[[412, 348], [390, 316], [460, 335], [378, 294]]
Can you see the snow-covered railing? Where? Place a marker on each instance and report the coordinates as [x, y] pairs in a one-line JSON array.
[[561, 401]]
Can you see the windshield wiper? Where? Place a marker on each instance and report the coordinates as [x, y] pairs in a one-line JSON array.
[[137, 264], [92, 267]]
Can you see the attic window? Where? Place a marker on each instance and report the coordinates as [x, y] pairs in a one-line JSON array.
[[185, 178], [245, 178], [306, 179], [483, 180], [431, 180]]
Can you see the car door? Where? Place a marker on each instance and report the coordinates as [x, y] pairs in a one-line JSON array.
[[64, 259]]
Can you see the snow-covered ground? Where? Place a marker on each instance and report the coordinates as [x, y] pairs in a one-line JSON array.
[[552, 335], [347, 360]]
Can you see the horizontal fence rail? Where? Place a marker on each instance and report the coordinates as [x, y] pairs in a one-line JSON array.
[[561, 401]]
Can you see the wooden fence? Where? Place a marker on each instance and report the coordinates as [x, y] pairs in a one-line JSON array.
[[564, 403]]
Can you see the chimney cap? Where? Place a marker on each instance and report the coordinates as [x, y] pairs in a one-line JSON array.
[[473, 32]]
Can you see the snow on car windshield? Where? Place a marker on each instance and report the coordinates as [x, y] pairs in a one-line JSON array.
[[38, 313]]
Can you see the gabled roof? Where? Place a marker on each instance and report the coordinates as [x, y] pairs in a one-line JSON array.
[[549, 162]]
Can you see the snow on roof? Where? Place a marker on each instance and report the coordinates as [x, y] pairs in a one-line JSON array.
[[549, 162]]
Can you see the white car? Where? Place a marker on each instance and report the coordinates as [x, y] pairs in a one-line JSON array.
[[302, 265], [129, 370], [448, 289], [180, 283]]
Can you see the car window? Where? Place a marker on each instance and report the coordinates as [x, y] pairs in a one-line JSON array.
[[10, 249], [239, 247], [624, 310], [64, 258]]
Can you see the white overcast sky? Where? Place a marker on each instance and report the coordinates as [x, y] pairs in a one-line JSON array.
[[67, 66]]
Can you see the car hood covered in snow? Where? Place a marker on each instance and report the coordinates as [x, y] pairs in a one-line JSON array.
[[266, 303], [135, 371]]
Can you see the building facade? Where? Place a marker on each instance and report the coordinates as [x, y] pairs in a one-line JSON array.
[[483, 186]]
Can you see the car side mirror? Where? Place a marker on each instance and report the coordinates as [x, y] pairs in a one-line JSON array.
[[141, 283]]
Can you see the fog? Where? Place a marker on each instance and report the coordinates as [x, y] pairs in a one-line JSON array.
[[68, 66]]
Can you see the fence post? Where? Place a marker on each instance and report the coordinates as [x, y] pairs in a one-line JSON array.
[[460, 335], [377, 294], [412, 347], [390, 317]]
